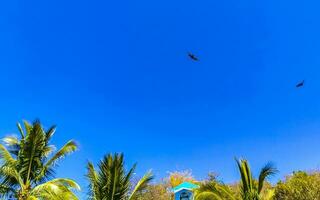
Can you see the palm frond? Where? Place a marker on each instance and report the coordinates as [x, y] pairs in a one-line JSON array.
[[11, 141], [13, 144], [27, 126], [11, 173], [219, 190], [208, 196], [244, 176], [94, 192], [266, 171], [56, 189], [142, 184], [32, 152], [50, 132], [20, 130], [6, 157], [68, 148]]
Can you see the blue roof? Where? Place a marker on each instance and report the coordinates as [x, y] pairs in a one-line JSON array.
[[186, 186]]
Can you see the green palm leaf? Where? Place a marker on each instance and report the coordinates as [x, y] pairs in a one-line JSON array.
[[67, 149], [26, 168], [6, 157], [213, 190], [266, 171], [111, 181], [250, 188], [208, 196], [141, 185]]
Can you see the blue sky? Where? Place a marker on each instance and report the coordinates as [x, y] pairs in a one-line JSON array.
[[115, 76]]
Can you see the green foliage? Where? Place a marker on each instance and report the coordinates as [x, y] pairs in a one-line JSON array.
[[160, 191], [251, 188], [28, 162], [163, 190], [299, 186], [112, 182], [27, 169], [208, 196], [214, 190]]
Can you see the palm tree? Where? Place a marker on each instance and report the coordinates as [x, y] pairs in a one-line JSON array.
[[112, 182], [27, 165], [251, 188]]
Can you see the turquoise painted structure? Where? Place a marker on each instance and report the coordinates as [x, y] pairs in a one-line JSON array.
[[184, 191]]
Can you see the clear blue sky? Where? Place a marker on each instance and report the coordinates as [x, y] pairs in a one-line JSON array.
[[115, 76]]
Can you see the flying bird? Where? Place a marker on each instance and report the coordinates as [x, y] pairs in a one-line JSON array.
[[301, 84], [193, 57]]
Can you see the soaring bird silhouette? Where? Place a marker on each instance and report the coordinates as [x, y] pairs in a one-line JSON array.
[[301, 84], [193, 57]]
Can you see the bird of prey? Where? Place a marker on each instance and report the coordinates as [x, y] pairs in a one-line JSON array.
[[193, 57], [301, 84]]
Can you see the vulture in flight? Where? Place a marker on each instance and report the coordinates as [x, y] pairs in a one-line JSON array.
[[300, 84], [193, 57]]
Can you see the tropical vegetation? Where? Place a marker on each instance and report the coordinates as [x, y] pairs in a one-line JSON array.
[[299, 185], [28, 163], [112, 182], [250, 188], [247, 189]]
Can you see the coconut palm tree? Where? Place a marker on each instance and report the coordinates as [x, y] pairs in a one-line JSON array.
[[27, 165], [112, 182], [250, 188]]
